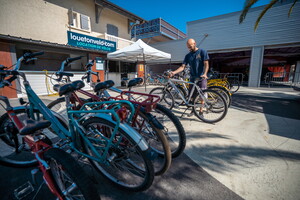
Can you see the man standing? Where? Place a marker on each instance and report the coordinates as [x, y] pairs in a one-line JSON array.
[[197, 59]]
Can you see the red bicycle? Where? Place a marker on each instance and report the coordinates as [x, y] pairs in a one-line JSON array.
[[144, 122], [25, 144]]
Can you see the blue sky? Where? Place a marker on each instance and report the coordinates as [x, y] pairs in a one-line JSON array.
[[178, 12]]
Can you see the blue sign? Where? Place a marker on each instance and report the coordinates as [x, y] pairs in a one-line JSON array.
[[80, 40]]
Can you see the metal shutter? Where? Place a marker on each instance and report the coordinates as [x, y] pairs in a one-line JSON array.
[[84, 22]]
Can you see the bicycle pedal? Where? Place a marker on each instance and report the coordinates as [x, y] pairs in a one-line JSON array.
[[23, 191]]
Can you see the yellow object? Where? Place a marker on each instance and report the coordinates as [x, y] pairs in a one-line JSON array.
[[50, 92]]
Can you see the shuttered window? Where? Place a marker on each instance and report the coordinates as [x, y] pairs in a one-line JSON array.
[[112, 30], [85, 22]]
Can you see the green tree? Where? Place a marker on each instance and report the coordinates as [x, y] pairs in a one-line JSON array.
[[250, 3]]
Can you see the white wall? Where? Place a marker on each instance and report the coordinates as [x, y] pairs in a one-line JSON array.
[[225, 32]]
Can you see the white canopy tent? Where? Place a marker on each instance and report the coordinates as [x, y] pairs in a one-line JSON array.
[[139, 51]]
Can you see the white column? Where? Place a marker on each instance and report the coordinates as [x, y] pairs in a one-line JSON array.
[[257, 56]]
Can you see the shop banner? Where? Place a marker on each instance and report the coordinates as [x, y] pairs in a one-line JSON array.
[[80, 40]]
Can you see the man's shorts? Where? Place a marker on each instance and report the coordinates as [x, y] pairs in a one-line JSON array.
[[202, 84]]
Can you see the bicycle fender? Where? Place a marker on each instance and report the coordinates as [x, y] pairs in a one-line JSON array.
[[124, 126], [57, 115], [152, 119]]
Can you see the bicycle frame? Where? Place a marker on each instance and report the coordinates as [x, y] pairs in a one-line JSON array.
[[195, 86], [132, 120], [37, 104], [38, 148]]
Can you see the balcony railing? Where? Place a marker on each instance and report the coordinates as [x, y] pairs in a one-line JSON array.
[[121, 42], [157, 27]]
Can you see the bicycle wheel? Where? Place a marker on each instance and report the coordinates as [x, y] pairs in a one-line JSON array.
[[69, 178], [173, 129], [214, 108], [166, 98], [126, 164], [59, 106], [157, 141], [225, 94], [234, 85], [14, 152]]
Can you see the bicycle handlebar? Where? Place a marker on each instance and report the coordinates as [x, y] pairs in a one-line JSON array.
[[64, 63], [3, 73]]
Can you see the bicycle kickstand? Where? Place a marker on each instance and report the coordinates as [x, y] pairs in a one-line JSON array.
[[189, 115]]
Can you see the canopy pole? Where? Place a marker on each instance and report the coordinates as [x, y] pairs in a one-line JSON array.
[[144, 72]]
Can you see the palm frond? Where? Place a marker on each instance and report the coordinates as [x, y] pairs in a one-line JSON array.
[[270, 5], [291, 8], [247, 6]]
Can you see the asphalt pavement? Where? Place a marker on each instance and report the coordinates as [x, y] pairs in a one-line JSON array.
[[254, 153]]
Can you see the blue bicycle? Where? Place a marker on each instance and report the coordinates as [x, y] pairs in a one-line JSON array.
[[115, 148]]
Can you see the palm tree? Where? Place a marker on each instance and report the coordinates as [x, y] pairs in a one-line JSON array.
[[250, 3]]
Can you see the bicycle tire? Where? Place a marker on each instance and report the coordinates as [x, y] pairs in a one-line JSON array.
[[166, 98], [234, 85], [215, 110], [73, 173], [158, 143], [141, 170], [59, 106], [173, 129], [8, 156], [225, 94]]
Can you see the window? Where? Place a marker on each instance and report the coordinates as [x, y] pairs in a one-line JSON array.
[[79, 21], [74, 20], [84, 20], [128, 67], [113, 66], [112, 30]]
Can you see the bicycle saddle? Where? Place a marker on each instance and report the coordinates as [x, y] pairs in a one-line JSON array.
[[103, 85], [68, 87], [32, 126], [135, 82]]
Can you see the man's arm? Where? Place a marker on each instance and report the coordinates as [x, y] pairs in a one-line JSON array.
[[206, 67], [180, 69]]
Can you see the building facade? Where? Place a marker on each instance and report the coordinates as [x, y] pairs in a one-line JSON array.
[[237, 48], [63, 29]]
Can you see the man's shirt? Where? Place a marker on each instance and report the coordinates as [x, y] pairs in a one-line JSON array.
[[195, 59]]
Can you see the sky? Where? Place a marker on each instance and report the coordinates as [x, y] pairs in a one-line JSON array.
[[178, 12]]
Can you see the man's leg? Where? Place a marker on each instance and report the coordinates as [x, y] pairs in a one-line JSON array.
[[203, 85]]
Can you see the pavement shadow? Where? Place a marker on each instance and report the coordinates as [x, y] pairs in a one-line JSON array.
[[288, 108], [271, 106], [184, 180], [217, 158]]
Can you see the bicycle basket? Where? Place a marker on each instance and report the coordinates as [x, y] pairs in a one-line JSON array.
[[147, 101]]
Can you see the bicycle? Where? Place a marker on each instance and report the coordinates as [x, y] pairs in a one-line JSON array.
[[173, 128], [61, 173], [116, 149], [142, 121], [230, 83], [213, 109], [183, 89]]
